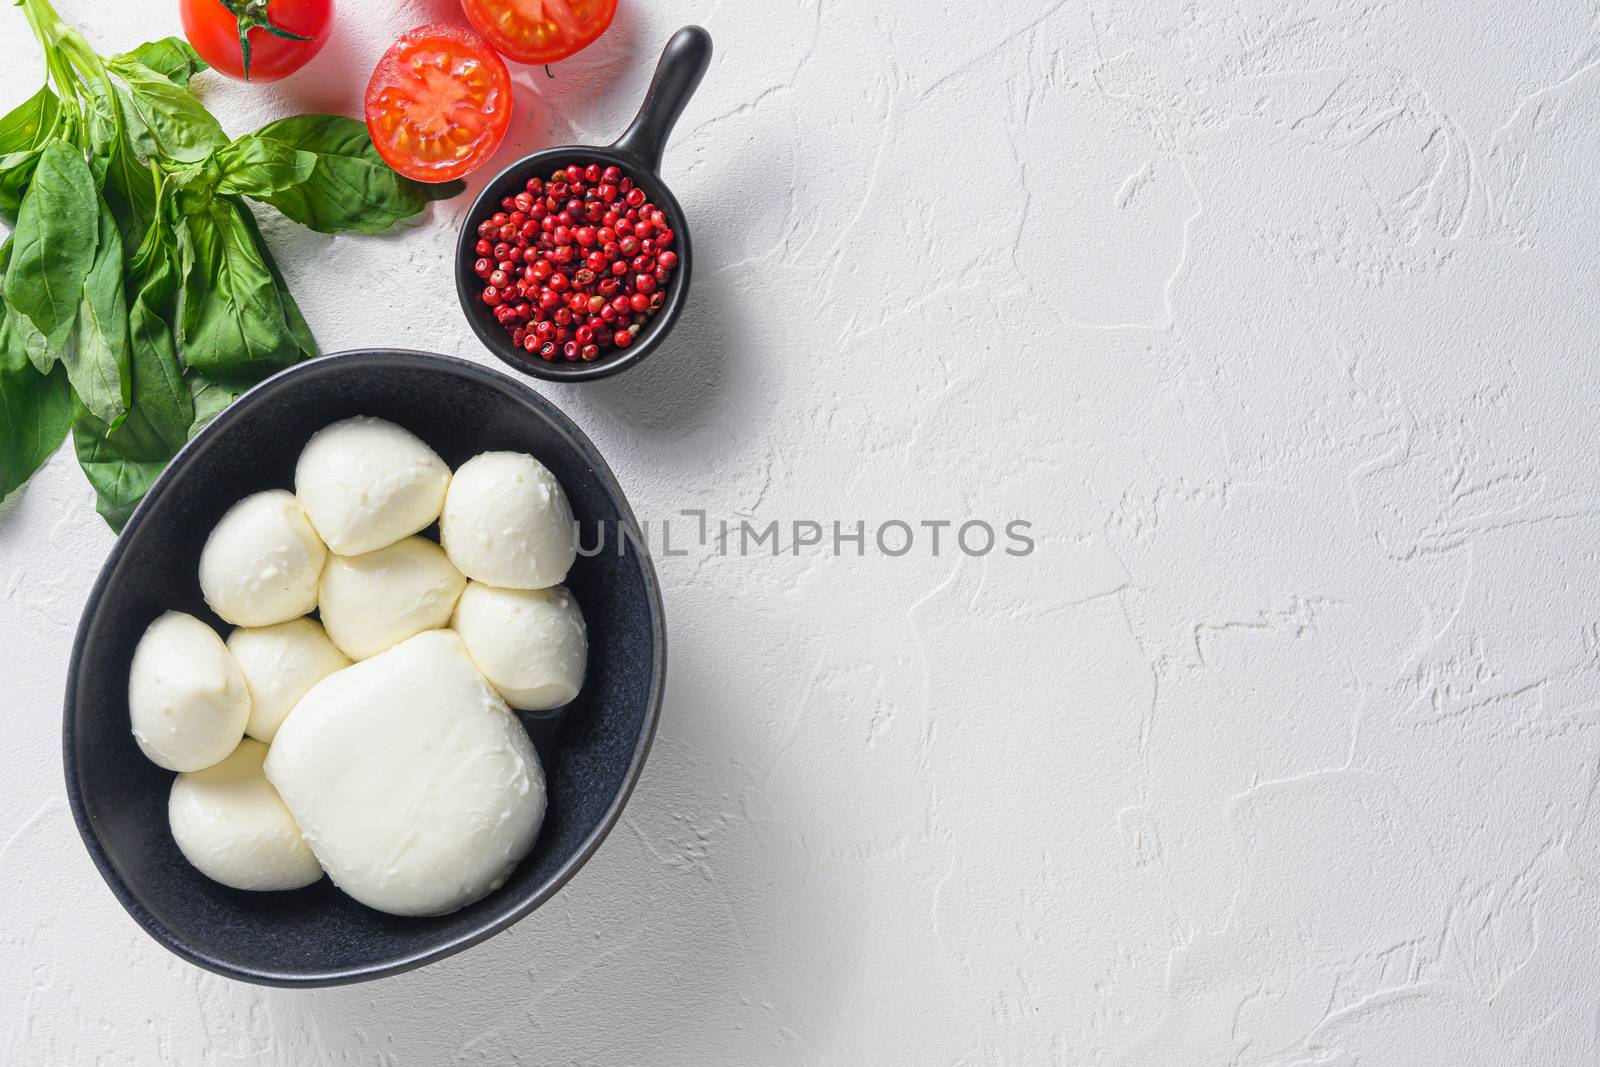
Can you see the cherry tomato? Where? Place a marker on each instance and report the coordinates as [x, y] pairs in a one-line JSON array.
[[439, 103], [254, 40], [540, 31]]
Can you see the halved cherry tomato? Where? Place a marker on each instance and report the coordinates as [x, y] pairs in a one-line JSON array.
[[439, 103], [540, 31], [258, 41]]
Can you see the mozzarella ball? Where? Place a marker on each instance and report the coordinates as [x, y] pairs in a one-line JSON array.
[[413, 783], [187, 696], [229, 822], [261, 563], [376, 600], [507, 522], [281, 663], [366, 483], [530, 643]]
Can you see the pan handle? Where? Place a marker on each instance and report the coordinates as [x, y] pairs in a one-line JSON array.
[[683, 63]]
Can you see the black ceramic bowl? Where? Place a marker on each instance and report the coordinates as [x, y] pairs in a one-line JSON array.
[[638, 153], [592, 750]]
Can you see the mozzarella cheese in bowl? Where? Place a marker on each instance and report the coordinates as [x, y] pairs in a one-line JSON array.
[[507, 522], [261, 563], [530, 643], [187, 697], [376, 600], [413, 783], [381, 747], [229, 822], [367, 483], [281, 663]]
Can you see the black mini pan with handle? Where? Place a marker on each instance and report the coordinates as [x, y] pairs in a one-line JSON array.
[[638, 152]]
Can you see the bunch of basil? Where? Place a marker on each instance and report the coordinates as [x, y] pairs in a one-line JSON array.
[[139, 296]]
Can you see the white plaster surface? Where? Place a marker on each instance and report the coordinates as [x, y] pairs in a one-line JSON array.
[[1277, 319]]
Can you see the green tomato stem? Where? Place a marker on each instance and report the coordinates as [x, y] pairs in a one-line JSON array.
[[252, 15]]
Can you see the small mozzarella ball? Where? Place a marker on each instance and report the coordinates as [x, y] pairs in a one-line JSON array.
[[366, 483], [530, 643], [229, 822], [376, 600], [187, 696], [507, 522], [261, 563], [414, 784], [281, 663]]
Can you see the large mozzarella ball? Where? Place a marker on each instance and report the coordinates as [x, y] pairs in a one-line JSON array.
[[187, 696], [366, 483], [507, 522], [413, 783], [229, 822], [376, 600], [261, 563], [530, 643], [281, 663]]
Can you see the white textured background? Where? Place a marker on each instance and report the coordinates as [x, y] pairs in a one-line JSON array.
[[1277, 318]]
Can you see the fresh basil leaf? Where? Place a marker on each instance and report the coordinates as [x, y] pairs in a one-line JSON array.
[[23, 131], [19, 335], [233, 318], [127, 184], [35, 412], [352, 188], [12, 354], [104, 119], [193, 188], [298, 327], [135, 438], [29, 123], [21, 343], [13, 351], [170, 57], [130, 191], [160, 396], [209, 398], [171, 124], [97, 361], [133, 124], [120, 480], [56, 236], [16, 171], [260, 167], [121, 462]]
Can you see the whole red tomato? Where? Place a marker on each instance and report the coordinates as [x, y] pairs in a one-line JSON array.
[[540, 31], [257, 40]]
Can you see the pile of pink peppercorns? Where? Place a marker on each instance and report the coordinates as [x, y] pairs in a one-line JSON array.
[[576, 263]]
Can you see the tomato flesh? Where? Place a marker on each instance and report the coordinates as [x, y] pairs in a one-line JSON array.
[[213, 30], [439, 103], [540, 31]]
